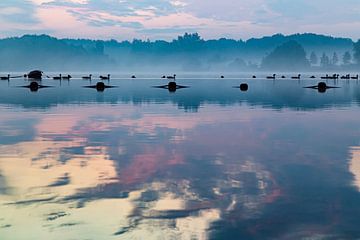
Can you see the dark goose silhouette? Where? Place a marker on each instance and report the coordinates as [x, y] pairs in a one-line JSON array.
[[87, 77], [347, 76], [105, 77], [133, 76], [172, 77], [355, 77], [68, 77], [57, 78], [5, 78], [271, 77], [296, 77]]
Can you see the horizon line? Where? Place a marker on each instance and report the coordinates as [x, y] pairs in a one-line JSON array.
[[177, 36]]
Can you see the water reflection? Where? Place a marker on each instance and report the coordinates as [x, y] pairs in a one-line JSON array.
[[128, 166]]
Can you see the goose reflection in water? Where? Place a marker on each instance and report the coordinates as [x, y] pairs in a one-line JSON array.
[[322, 87], [35, 86], [100, 86], [171, 86]]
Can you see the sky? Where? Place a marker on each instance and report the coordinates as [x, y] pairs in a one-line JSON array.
[[166, 19]]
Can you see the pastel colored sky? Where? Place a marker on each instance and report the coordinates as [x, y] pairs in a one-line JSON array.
[[166, 19]]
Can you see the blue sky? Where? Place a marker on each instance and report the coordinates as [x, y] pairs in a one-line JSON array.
[[165, 19]]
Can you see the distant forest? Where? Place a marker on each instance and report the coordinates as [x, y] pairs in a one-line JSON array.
[[305, 52]]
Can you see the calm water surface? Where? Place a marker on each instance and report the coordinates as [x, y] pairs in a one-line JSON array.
[[206, 162]]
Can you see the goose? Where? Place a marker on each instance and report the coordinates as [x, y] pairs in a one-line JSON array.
[[346, 76], [163, 76], [254, 76], [283, 76], [296, 77], [222, 76], [313, 77], [5, 78], [355, 77], [57, 78], [133, 76], [105, 77], [172, 77], [68, 77], [271, 77], [87, 77]]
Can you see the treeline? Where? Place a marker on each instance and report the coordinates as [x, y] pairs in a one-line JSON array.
[[186, 53]]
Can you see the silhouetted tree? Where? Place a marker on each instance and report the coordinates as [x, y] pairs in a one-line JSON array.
[[324, 61], [335, 59], [313, 58], [357, 52], [347, 58], [288, 56]]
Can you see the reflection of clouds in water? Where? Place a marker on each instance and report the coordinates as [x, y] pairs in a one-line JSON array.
[[355, 165], [52, 187]]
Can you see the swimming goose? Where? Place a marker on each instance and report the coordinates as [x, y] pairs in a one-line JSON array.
[[57, 78], [271, 77], [105, 77], [172, 77], [87, 77], [68, 77], [296, 77], [5, 78]]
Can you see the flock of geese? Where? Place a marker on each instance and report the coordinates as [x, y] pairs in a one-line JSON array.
[[172, 86]]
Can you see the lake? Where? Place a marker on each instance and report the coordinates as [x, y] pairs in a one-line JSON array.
[[278, 161]]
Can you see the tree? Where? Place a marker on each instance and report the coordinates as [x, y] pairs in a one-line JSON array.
[[324, 61], [357, 52], [289, 56], [335, 59], [313, 58], [347, 58]]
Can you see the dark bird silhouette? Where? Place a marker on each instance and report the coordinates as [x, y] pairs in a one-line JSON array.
[[5, 78], [271, 77], [283, 77], [296, 77], [172, 77], [254, 76], [355, 77], [347, 76], [133, 76], [105, 77], [87, 77], [57, 78], [68, 77], [312, 77], [222, 76]]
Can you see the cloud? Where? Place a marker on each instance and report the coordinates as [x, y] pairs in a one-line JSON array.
[[127, 19], [18, 11]]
